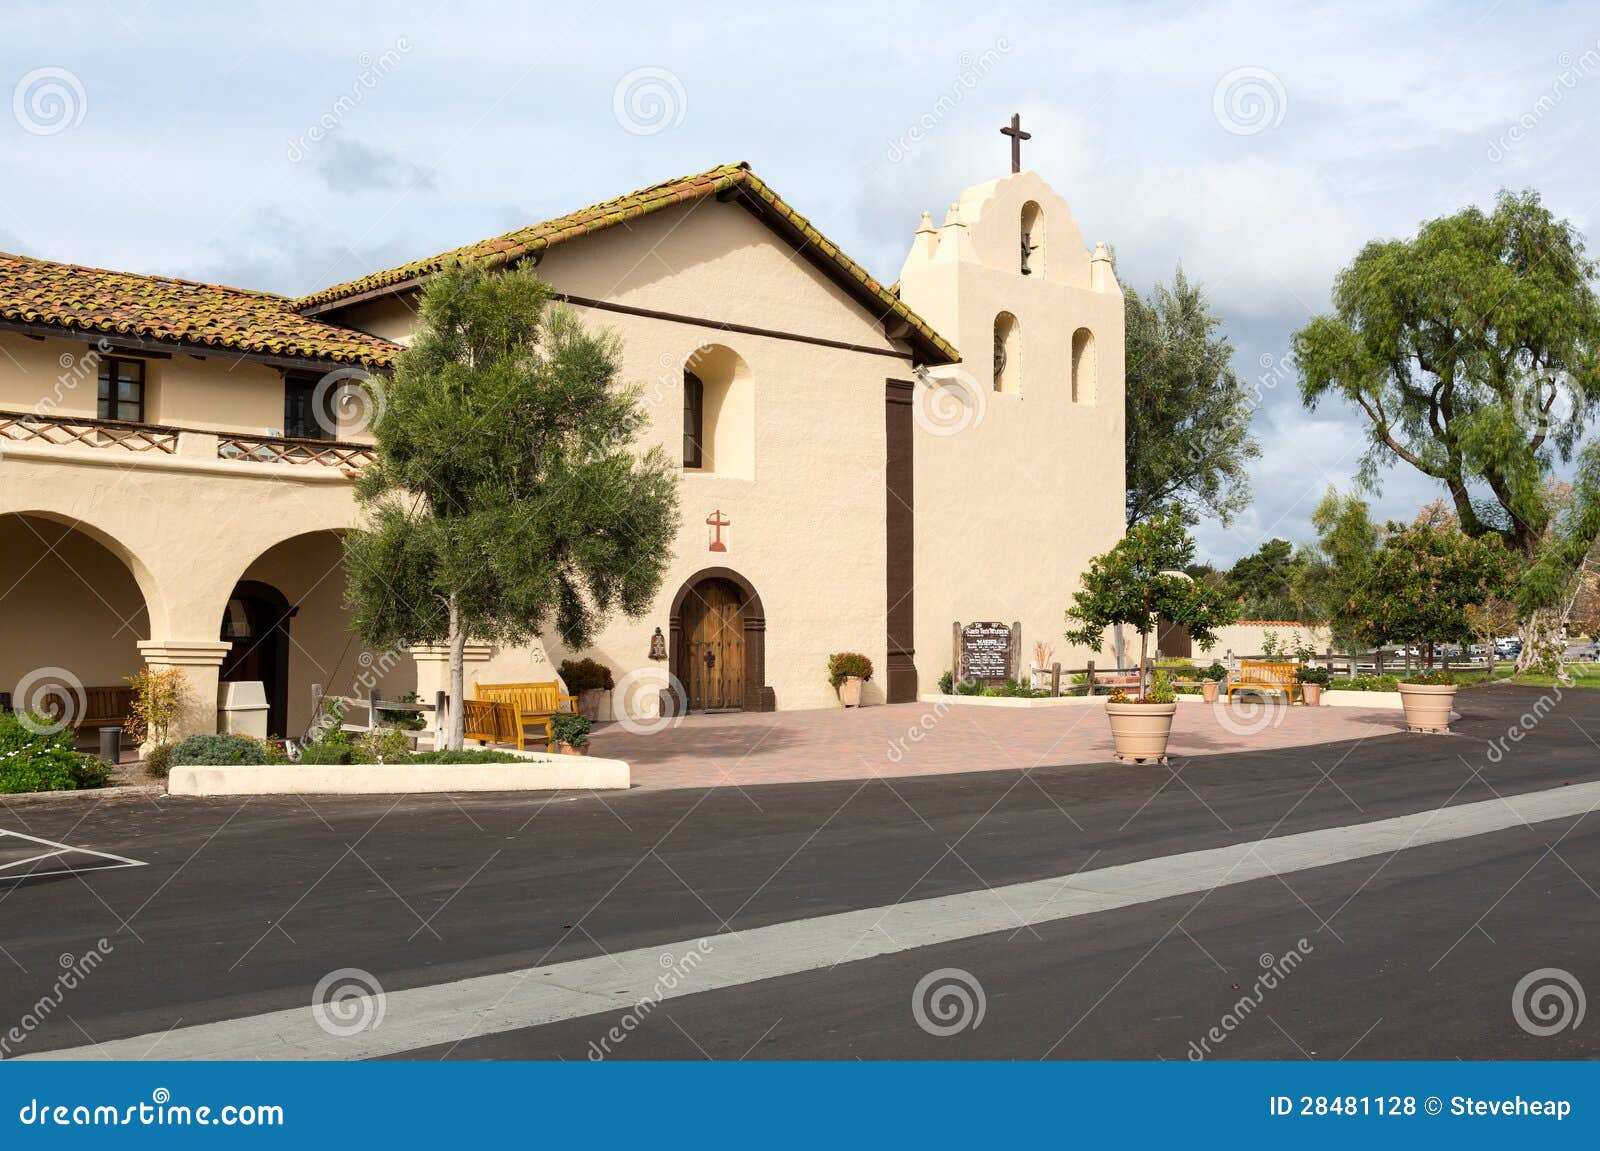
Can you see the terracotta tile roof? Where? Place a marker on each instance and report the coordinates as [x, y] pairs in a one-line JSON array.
[[515, 245], [161, 308]]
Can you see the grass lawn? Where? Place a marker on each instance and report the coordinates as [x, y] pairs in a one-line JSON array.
[[1583, 675]]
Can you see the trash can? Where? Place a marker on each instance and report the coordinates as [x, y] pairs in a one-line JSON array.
[[242, 708]]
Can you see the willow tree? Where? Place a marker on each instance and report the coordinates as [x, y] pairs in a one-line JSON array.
[[507, 494], [1473, 352]]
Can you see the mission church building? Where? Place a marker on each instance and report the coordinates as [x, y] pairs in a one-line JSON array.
[[862, 466]]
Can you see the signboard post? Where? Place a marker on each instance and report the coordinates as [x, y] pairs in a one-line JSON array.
[[987, 652]]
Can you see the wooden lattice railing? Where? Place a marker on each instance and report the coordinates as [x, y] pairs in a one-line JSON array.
[[280, 450], [94, 433]]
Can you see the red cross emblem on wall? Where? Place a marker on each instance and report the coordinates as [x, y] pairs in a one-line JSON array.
[[718, 521]]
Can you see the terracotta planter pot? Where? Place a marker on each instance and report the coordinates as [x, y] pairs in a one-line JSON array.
[[1312, 693], [1209, 689], [850, 691], [559, 748], [589, 702], [1428, 705], [1140, 730]]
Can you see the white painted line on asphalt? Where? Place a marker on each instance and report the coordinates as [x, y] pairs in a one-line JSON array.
[[56, 851], [446, 1013]]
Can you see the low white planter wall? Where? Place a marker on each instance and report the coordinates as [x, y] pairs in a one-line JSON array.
[[542, 773], [1383, 699], [1009, 701]]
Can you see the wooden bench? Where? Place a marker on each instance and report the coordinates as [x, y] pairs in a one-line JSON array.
[[102, 706], [1265, 676], [491, 721], [532, 704]]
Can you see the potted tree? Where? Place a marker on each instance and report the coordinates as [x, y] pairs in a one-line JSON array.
[[1421, 582], [1312, 680], [847, 671], [1142, 577], [589, 681], [569, 733]]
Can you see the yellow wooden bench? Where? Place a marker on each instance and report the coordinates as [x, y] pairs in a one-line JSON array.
[[1261, 675], [531, 704], [491, 721]]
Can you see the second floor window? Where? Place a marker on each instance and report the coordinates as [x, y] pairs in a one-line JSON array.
[[300, 421], [694, 402], [122, 390]]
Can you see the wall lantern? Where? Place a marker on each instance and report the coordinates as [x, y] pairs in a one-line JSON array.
[[658, 645]]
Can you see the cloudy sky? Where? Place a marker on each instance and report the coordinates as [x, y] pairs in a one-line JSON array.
[[286, 146]]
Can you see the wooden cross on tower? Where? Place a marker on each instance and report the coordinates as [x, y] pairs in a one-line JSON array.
[[1017, 137]]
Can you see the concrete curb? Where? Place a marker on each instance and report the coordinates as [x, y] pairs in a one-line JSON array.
[[538, 773]]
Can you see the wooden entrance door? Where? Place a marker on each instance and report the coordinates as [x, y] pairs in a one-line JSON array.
[[713, 629], [256, 622]]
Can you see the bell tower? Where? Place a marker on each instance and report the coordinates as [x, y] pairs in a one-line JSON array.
[[1038, 395]]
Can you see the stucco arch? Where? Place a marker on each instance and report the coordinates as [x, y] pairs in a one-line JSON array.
[[757, 695], [728, 410], [149, 586]]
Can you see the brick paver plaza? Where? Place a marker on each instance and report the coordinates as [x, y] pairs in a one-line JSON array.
[[793, 746]]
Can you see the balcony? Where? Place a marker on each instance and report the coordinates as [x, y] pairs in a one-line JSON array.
[[118, 436]]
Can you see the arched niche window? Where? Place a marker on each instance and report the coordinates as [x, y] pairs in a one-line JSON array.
[[1007, 353], [1032, 239], [1083, 366], [718, 413]]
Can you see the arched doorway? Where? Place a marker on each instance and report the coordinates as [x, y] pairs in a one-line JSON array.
[[718, 643], [256, 623]]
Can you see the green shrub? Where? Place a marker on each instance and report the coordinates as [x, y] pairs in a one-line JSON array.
[[1161, 689], [842, 665], [470, 755], [1305, 673], [385, 745], [404, 720], [215, 750], [158, 760], [320, 753], [1215, 672], [43, 760], [569, 729], [1013, 689], [585, 675], [1365, 683], [1439, 678], [946, 683]]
